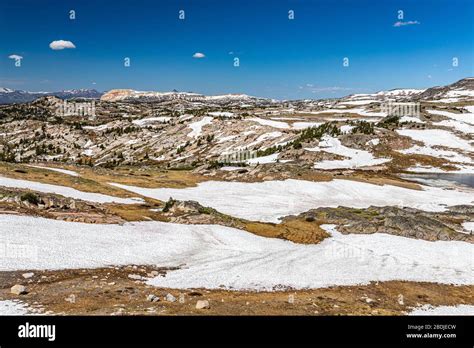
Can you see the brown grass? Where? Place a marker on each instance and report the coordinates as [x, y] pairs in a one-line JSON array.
[[104, 291], [98, 179], [295, 230]]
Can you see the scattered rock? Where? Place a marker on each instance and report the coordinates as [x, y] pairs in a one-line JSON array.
[[202, 304], [135, 276], [152, 298], [405, 222], [170, 298], [71, 298], [18, 289], [28, 275]]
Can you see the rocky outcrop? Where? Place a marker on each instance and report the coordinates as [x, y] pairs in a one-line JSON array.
[[54, 207], [405, 222]]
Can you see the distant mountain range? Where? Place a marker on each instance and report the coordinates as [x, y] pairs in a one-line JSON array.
[[459, 90], [10, 96], [151, 96], [456, 91]]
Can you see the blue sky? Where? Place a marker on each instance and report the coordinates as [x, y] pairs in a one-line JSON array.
[[279, 58]]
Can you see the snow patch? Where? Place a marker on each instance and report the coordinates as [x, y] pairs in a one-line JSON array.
[[269, 200], [9, 307], [444, 310], [197, 126], [410, 119], [436, 137], [465, 117], [211, 256], [221, 114], [468, 226], [145, 121], [59, 170], [270, 123], [356, 158]]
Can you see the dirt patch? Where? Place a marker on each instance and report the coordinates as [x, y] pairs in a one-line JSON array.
[[298, 231], [381, 179], [23, 172], [111, 291]]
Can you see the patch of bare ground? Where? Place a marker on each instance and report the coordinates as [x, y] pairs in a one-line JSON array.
[[376, 178], [400, 162], [297, 231], [121, 291], [23, 172], [97, 179], [267, 172]]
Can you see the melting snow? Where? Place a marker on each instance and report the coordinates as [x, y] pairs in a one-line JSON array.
[[356, 158], [221, 113], [347, 128], [466, 117], [411, 119], [304, 125], [146, 121], [261, 138], [264, 159], [59, 170], [429, 151], [457, 125], [444, 310], [271, 123], [468, 226], [227, 138], [8, 307], [270, 200], [212, 256], [461, 169], [197, 126], [436, 137]]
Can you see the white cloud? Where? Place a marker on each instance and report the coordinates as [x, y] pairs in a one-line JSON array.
[[61, 44], [401, 24], [15, 56], [198, 55]]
